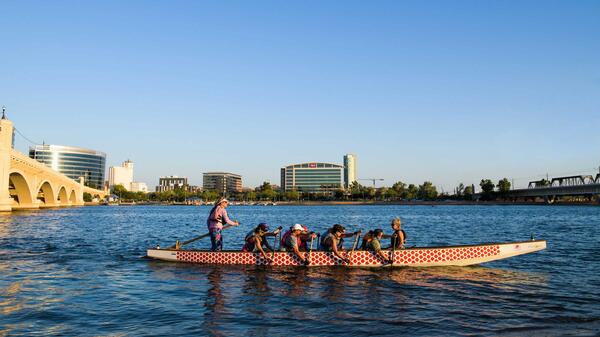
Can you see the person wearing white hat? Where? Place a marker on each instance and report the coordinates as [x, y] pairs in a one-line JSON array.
[[291, 242], [216, 218]]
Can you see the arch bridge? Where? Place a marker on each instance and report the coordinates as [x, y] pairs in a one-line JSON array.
[[26, 183]]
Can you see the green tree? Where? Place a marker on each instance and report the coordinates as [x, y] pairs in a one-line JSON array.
[[292, 195], [119, 190], [381, 193], [339, 194], [503, 186], [399, 187], [427, 191], [459, 190], [370, 192], [251, 196], [468, 192], [487, 186], [357, 190], [410, 192], [87, 197], [266, 191], [210, 195], [391, 194]]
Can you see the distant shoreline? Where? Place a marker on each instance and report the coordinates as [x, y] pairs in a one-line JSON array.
[[380, 203]]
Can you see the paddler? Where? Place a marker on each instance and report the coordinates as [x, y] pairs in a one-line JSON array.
[[331, 242], [293, 241], [374, 244], [257, 239], [340, 243], [303, 239], [216, 218], [398, 237]]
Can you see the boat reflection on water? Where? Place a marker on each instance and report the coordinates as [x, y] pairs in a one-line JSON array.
[[258, 285]]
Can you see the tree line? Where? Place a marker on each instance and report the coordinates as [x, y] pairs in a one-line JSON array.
[[399, 191]]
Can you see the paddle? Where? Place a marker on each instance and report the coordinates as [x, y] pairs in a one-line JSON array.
[[178, 245], [277, 239], [309, 250], [393, 254], [356, 237]]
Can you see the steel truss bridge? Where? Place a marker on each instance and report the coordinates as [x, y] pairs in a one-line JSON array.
[[572, 186]]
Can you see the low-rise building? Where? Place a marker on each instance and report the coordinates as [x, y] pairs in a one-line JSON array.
[[139, 187], [170, 183]]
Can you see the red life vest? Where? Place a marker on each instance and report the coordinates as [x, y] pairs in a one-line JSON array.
[[250, 244], [286, 235]]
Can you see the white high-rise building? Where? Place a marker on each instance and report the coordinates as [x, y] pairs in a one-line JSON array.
[[121, 175], [349, 169]]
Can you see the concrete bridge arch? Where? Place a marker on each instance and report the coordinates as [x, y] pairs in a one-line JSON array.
[[26, 183], [46, 195], [20, 190]]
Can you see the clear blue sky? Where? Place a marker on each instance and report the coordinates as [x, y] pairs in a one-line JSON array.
[[449, 91]]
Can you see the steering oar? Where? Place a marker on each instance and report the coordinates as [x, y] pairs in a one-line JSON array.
[[179, 245]]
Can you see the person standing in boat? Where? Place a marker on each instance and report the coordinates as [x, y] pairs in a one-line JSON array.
[[398, 237], [256, 241], [374, 244], [216, 218], [331, 242]]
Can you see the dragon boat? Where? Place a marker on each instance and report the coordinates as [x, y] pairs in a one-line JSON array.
[[463, 255]]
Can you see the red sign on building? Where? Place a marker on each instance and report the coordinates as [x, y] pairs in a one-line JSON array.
[[312, 165]]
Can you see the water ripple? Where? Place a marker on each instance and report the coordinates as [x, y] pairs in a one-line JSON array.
[[80, 272]]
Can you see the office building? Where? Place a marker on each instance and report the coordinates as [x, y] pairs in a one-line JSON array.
[[121, 175], [170, 183], [222, 182], [349, 170], [312, 177], [74, 162]]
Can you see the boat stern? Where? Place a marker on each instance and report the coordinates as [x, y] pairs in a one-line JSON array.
[[162, 254]]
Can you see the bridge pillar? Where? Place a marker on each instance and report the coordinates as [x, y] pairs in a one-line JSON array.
[[6, 134]]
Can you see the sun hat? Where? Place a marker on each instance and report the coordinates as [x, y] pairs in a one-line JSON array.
[[297, 227]]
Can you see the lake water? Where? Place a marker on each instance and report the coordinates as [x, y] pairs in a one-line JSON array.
[[80, 272]]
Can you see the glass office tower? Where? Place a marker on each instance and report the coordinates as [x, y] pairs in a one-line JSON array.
[[74, 162], [312, 177]]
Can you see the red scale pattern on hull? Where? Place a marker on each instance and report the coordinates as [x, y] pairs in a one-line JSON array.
[[358, 258]]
